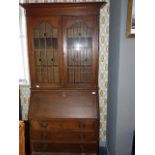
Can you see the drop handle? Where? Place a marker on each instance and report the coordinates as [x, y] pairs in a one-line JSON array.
[[44, 146], [44, 135], [43, 124]]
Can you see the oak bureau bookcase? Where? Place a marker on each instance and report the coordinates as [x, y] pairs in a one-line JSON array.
[[63, 58]]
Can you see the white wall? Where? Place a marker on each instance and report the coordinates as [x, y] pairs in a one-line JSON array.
[[121, 93]]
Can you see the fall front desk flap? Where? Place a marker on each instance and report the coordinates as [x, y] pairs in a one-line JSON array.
[[63, 104]]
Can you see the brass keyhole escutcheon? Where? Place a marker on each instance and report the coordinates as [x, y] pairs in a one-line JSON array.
[[43, 124], [81, 125]]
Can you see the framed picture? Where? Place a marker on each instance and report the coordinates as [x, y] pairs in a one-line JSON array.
[[131, 19]]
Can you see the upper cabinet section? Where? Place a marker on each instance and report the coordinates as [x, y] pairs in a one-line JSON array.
[[63, 45]]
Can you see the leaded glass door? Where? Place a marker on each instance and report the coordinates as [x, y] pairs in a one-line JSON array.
[[46, 52], [80, 51]]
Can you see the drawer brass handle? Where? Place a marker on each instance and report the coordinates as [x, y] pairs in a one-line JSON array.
[[81, 125], [44, 135], [82, 148], [43, 124], [38, 145], [82, 136], [43, 146]]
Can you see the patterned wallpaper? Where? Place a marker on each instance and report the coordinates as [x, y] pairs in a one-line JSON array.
[[24, 96], [103, 67]]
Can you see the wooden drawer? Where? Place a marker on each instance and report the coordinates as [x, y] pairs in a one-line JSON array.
[[63, 136], [65, 125], [64, 147]]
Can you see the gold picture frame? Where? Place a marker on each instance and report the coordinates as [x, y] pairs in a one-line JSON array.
[[131, 19]]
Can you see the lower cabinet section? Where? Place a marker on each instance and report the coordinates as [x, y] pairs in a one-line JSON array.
[[64, 147], [64, 136]]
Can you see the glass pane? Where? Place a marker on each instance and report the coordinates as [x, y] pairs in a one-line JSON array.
[[45, 44], [79, 53]]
